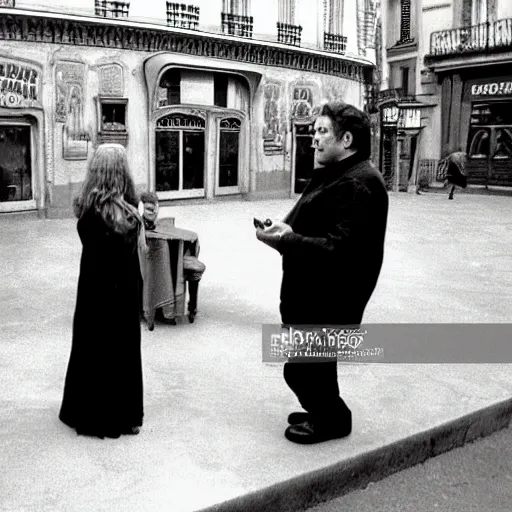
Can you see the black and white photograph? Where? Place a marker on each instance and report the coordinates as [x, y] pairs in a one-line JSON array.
[[256, 255]]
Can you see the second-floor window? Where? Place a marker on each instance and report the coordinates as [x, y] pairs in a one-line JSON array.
[[479, 12], [475, 12], [236, 18], [334, 40], [111, 9], [287, 31], [182, 15]]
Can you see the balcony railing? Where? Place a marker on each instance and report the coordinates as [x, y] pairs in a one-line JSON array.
[[114, 9], [483, 37], [182, 16], [335, 43], [237, 25], [289, 34]]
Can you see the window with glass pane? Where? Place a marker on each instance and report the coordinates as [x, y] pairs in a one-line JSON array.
[[479, 142], [503, 149], [15, 164], [228, 152], [220, 90], [169, 92], [494, 113], [167, 160], [193, 160]]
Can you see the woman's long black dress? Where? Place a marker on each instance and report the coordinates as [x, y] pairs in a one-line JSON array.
[[103, 392]]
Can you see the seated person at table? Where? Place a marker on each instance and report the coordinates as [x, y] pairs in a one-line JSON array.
[[150, 203], [193, 269]]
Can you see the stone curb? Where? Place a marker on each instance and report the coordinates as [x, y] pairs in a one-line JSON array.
[[328, 483]]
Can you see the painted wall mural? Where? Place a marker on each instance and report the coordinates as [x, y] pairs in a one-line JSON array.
[[303, 100], [69, 109], [334, 89], [19, 85], [274, 128]]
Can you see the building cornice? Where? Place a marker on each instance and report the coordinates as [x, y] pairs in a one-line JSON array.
[[38, 27], [443, 63]]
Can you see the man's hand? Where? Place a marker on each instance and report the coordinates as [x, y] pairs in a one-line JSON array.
[[273, 234]]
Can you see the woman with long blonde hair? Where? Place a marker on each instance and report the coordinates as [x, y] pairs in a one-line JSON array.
[[103, 391]]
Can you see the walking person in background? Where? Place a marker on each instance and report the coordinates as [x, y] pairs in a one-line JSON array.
[[455, 171], [103, 391], [332, 244]]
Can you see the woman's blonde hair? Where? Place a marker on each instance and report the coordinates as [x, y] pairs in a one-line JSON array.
[[109, 190]]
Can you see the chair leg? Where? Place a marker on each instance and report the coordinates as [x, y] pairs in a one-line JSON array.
[[193, 289]]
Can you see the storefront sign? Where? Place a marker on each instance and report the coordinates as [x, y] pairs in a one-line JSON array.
[[19, 85], [409, 118], [6, 3], [180, 121], [492, 89]]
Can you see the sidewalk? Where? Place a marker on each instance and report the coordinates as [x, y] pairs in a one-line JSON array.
[[214, 413], [439, 188]]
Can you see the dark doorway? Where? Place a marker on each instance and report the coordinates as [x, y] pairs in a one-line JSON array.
[[15, 163], [304, 157]]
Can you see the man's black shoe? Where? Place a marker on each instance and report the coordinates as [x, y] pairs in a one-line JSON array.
[[307, 433], [297, 417]]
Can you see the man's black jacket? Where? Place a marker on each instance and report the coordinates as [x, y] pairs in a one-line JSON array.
[[332, 260]]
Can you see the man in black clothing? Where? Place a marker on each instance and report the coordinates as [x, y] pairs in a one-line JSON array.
[[332, 244]]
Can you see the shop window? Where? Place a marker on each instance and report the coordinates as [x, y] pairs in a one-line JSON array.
[[495, 113], [169, 92], [479, 142], [112, 120], [180, 145], [15, 163], [503, 150], [229, 146]]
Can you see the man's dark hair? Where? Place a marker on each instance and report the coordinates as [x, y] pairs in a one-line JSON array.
[[347, 118], [149, 197]]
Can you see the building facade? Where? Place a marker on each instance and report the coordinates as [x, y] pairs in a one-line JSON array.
[[211, 99], [445, 86]]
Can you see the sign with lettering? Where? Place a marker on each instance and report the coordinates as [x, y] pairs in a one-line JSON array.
[[409, 118], [492, 89], [6, 3], [180, 121], [19, 85]]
